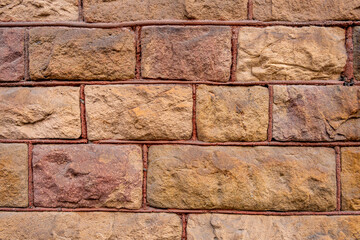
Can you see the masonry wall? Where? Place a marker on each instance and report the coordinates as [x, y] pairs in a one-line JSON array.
[[179, 119]]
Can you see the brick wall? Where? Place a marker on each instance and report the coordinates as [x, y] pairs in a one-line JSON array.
[[179, 119]]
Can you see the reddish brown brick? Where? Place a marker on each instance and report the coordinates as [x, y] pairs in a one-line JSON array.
[[11, 54], [190, 53], [87, 176], [316, 113]]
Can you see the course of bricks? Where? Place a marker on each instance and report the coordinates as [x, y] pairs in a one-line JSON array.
[[179, 119]]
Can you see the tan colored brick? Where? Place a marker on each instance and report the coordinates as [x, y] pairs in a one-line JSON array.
[[39, 10], [88, 225], [350, 178], [286, 53], [316, 113], [87, 176], [232, 113], [11, 54], [13, 175], [216, 9], [82, 54], [243, 178], [40, 112], [189, 53], [306, 10], [139, 112], [221, 226], [133, 10]]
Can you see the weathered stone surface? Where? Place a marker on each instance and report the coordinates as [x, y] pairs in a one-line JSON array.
[[50, 112], [39, 10], [243, 178], [11, 54], [89, 226], [133, 10], [87, 176], [80, 53], [221, 226], [139, 112], [350, 178], [286, 53], [316, 113], [356, 41], [216, 9], [232, 113], [189, 53], [306, 10], [13, 175]]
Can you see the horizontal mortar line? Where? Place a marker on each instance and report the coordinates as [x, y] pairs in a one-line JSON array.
[[180, 211], [200, 143], [53, 83], [251, 23]]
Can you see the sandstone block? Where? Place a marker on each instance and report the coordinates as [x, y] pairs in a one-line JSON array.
[[243, 178], [13, 175], [39, 10], [139, 112], [39, 112], [11, 54], [221, 226], [316, 113], [81, 54], [133, 10], [306, 10], [216, 9], [356, 41], [350, 178], [88, 225], [87, 176], [286, 53], [232, 113], [189, 53]]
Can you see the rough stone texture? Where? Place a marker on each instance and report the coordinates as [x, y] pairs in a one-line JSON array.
[[80, 53], [39, 10], [218, 226], [189, 53], [306, 10], [13, 175], [89, 226], [139, 112], [133, 10], [50, 112], [11, 54], [285, 53], [243, 178], [232, 113], [350, 178], [316, 113], [87, 176], [216, 9], [356, 41]]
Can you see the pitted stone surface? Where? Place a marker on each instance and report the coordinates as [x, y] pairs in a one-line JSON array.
[[187, 53], [81, 54], [12, 54], [316, 113], [221, 226], [89, 226], [87, 176], [13, 175], [40, 112], [243, 178], [139, 112], [288, 53]]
